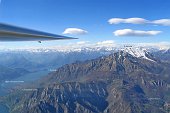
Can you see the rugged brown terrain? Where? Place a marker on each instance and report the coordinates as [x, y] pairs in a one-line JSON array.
[[118, 83]]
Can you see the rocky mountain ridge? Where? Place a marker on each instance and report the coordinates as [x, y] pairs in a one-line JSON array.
[[118, 83]]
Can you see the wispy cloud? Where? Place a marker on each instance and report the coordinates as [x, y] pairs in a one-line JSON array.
[[82, 42], [106, 43], [74, 31], [163, 22], [159, 45], [128, 20], [109, 44], [130, 32], [114, 44]]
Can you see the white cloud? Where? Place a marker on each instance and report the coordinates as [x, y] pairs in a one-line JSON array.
[[75, 31], [115, 20], [130, 32], [128, 20], [109, 44], [163, 22], [82, 42], [106, 42], [159, 45]]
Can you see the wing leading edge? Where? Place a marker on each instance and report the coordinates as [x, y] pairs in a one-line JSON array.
[[13, 33]]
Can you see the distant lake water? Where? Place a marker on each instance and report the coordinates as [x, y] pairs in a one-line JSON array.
[[4, 87]]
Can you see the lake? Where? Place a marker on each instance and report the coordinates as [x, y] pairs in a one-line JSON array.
[[5, 86]]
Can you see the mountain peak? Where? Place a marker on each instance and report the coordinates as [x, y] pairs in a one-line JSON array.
[[138, 52]]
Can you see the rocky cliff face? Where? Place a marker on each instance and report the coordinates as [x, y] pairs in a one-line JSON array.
[[119, 83]]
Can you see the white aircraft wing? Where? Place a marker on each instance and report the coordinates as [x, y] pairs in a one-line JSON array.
[[13, 33]]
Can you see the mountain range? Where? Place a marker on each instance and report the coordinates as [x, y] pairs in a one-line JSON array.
[[126, 81]]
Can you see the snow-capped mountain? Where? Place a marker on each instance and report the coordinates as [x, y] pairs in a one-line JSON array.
[[139, 52], [113, 82], [56, 57]]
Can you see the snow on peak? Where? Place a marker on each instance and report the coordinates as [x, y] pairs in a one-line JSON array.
[[138, 52]]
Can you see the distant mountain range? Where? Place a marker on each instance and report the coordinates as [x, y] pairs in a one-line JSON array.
[[126, 81], [49, 59], [34, 60], [163, 55], [45, 59]]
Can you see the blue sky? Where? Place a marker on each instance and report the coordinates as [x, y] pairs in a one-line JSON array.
[[55, 16]]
